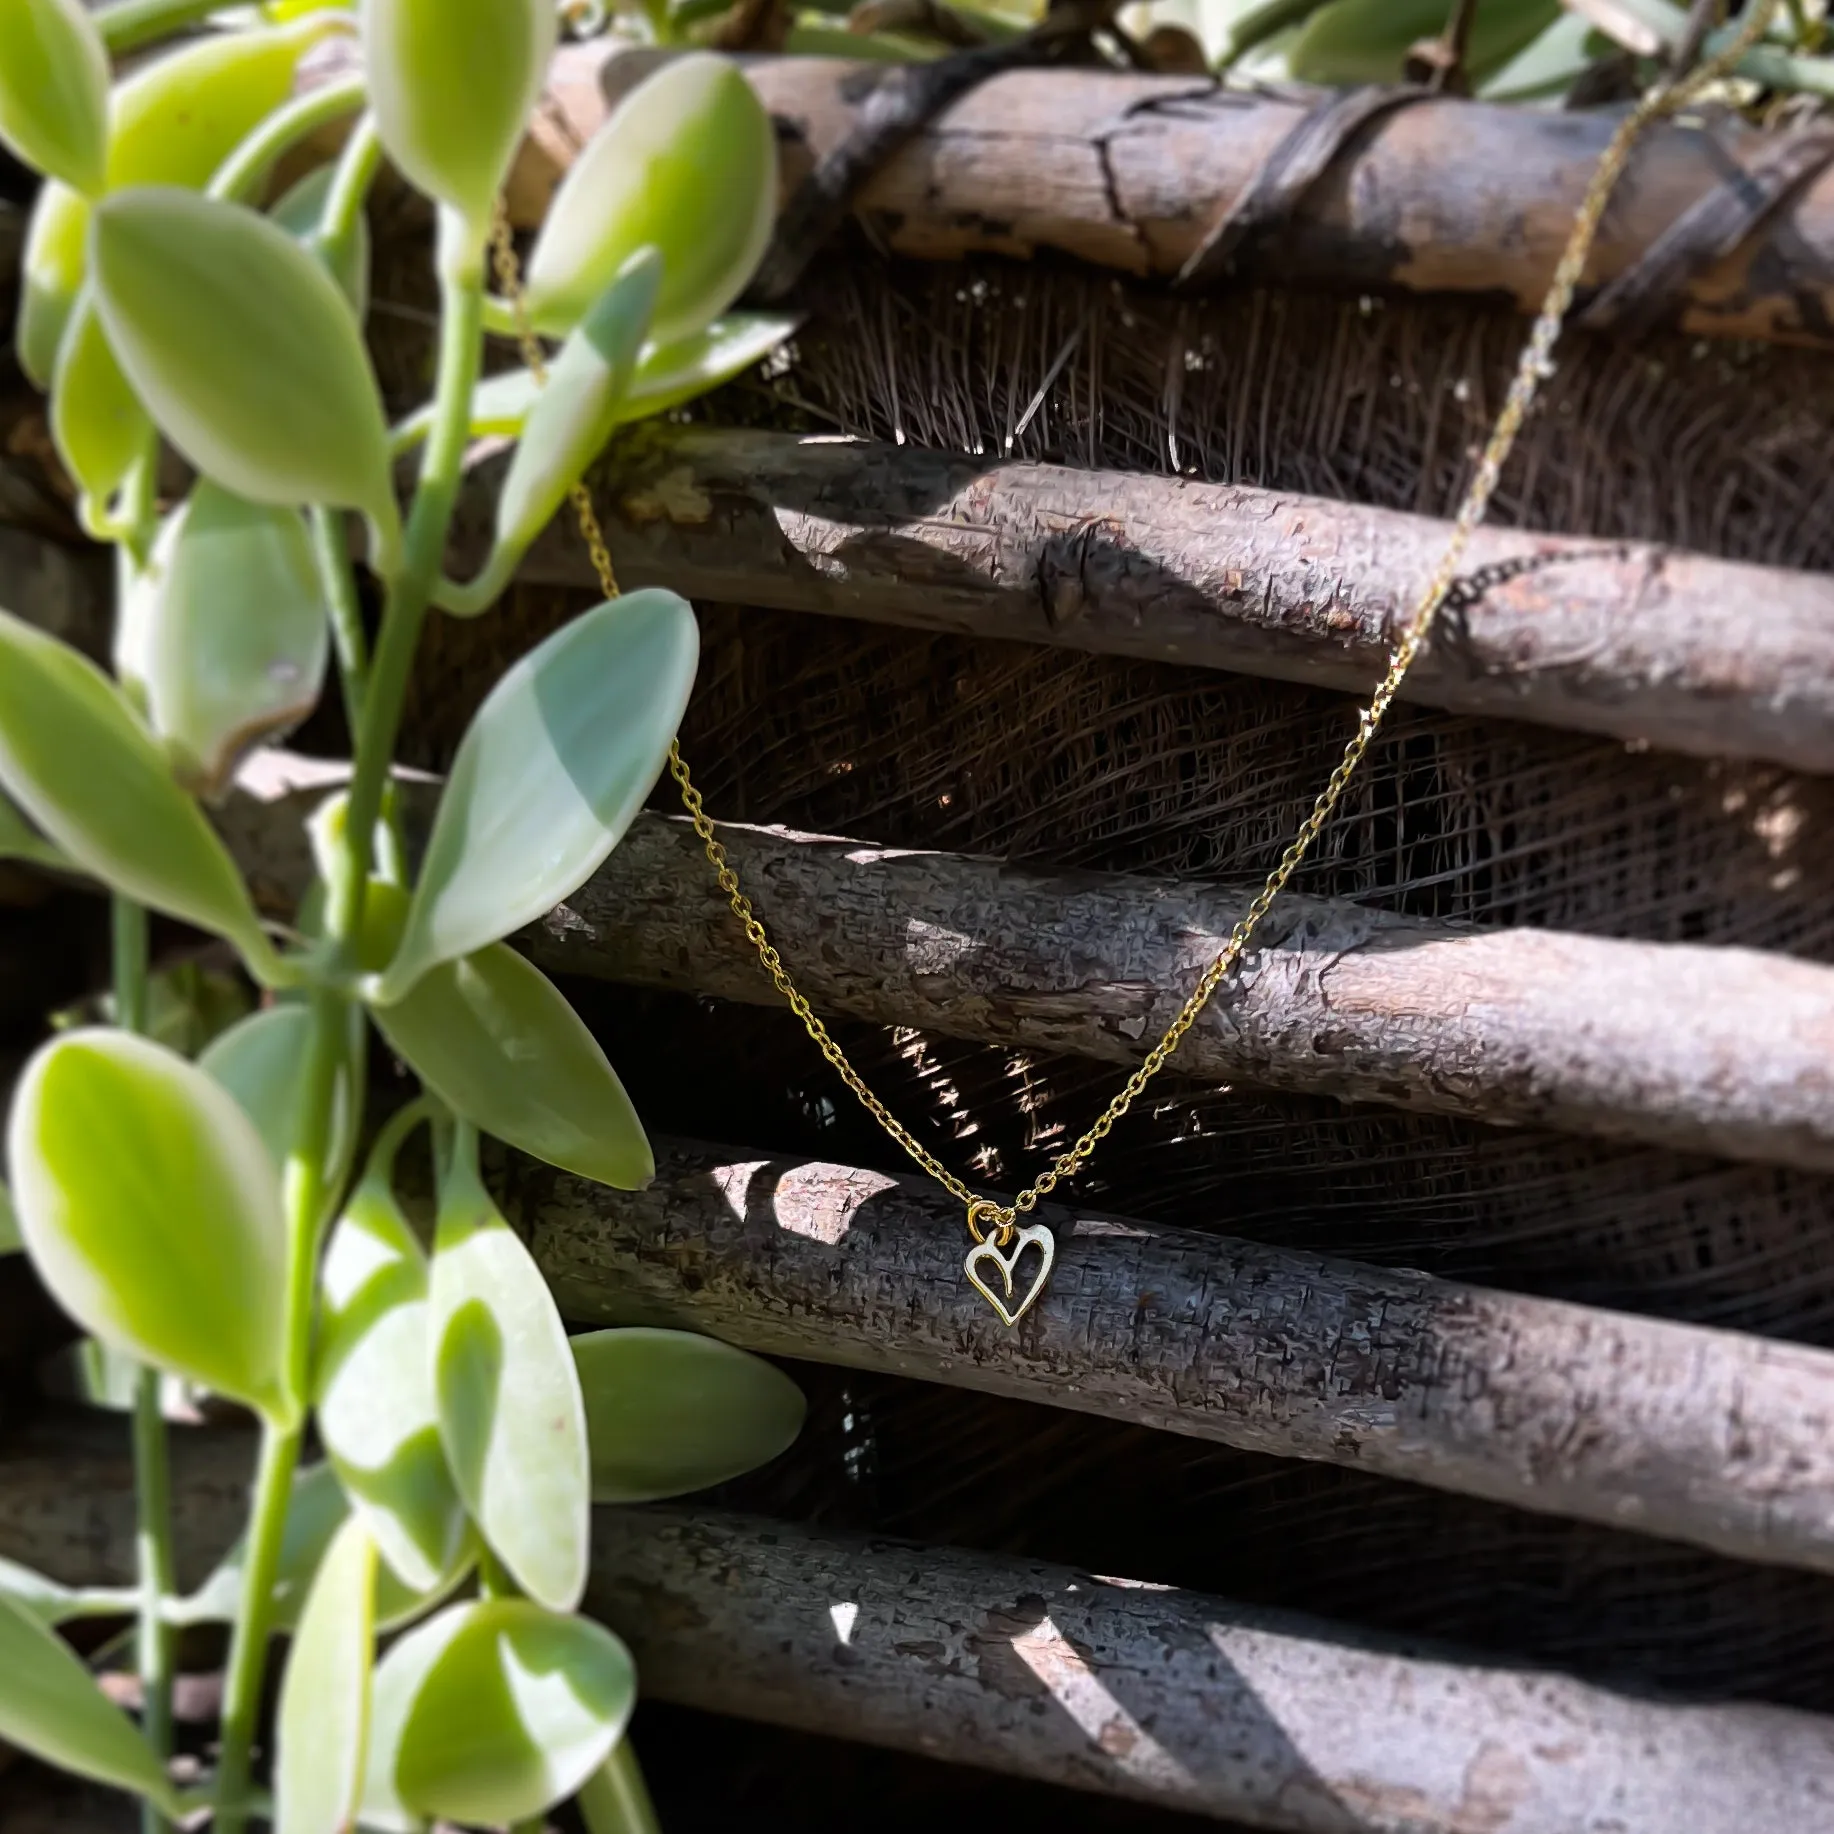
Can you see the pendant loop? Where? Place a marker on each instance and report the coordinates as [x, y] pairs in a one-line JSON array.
[[984, 1209]]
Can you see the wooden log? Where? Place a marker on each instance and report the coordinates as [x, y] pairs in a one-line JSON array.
[[1701, 1047], [67, 1495], [1174, 1698], [1130, 172], [1704, 1436], [1633, 640], [1132, 1690]]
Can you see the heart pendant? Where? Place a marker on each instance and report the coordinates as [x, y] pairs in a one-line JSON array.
[[1035, 1235]]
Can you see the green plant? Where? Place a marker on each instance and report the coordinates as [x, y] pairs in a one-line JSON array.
[[198, 1215]]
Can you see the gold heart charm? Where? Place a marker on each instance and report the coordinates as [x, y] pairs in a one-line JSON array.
[[1035, 1235]]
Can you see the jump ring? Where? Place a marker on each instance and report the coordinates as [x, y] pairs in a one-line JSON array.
[[985, 1207]]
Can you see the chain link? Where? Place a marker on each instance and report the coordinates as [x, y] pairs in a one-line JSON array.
[[1532, 368]]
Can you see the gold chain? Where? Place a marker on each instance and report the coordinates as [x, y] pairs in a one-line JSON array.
[[1001, 1220]]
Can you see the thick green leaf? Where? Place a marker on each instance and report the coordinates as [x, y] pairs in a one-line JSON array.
[[323, 1723], [245, 353], [54, 90], [87, 773], [574, 415], [173, 122], [1548, 67], [400, 1676], [670, 374], [19, 840], [298, 213], [96, 419], [50, 277], [50, 1707], [376, 1411], [183, 112], [152, 1211], [452, 84], [509, 1396], [225, 639], [666, 376], [496, 1041], [515, 1711], [615, 1799], [553, 769], [668, 1412], [316, 1509], [686, 163], [1367, 41], [263, 1061]]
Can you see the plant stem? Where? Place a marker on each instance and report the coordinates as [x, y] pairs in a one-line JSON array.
[[153, 1543], [305, 1194], [152, 1469], [615, 1799], [128, 938], [460, 351], [133, 23], [461, 338], [242, 174], [331, 544], [351, 179], [254, 1618]]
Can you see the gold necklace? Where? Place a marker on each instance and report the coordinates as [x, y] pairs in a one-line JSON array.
[[1000, 1239]]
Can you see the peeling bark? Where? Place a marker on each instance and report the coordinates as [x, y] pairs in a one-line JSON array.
[[1174, 1698], [1705, 1048], [1710, 1437], [1636, 641]]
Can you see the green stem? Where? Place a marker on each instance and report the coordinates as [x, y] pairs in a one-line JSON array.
[[379, 1168], [133, 23], [242, 174], [158, 1582], [254, 1620], [616, 1800], [351, 180], [331, 544], [152, 1466], [129, 942], [305, 1193], [460, 351]]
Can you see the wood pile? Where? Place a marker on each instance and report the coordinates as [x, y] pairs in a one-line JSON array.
[[1445, 1365]]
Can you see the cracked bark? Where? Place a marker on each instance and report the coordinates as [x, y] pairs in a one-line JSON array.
[[1161, 1695], [1128, 171], [1627, 639], [1705, 1048], [1450, 196], [1172, 1697], [1710, 1437]]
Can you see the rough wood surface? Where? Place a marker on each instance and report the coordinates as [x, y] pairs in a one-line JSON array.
[[1171, 1697], [1708, 1048], [1705, 1436], [67, 1495], [1129, 172], [1636, 641]]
